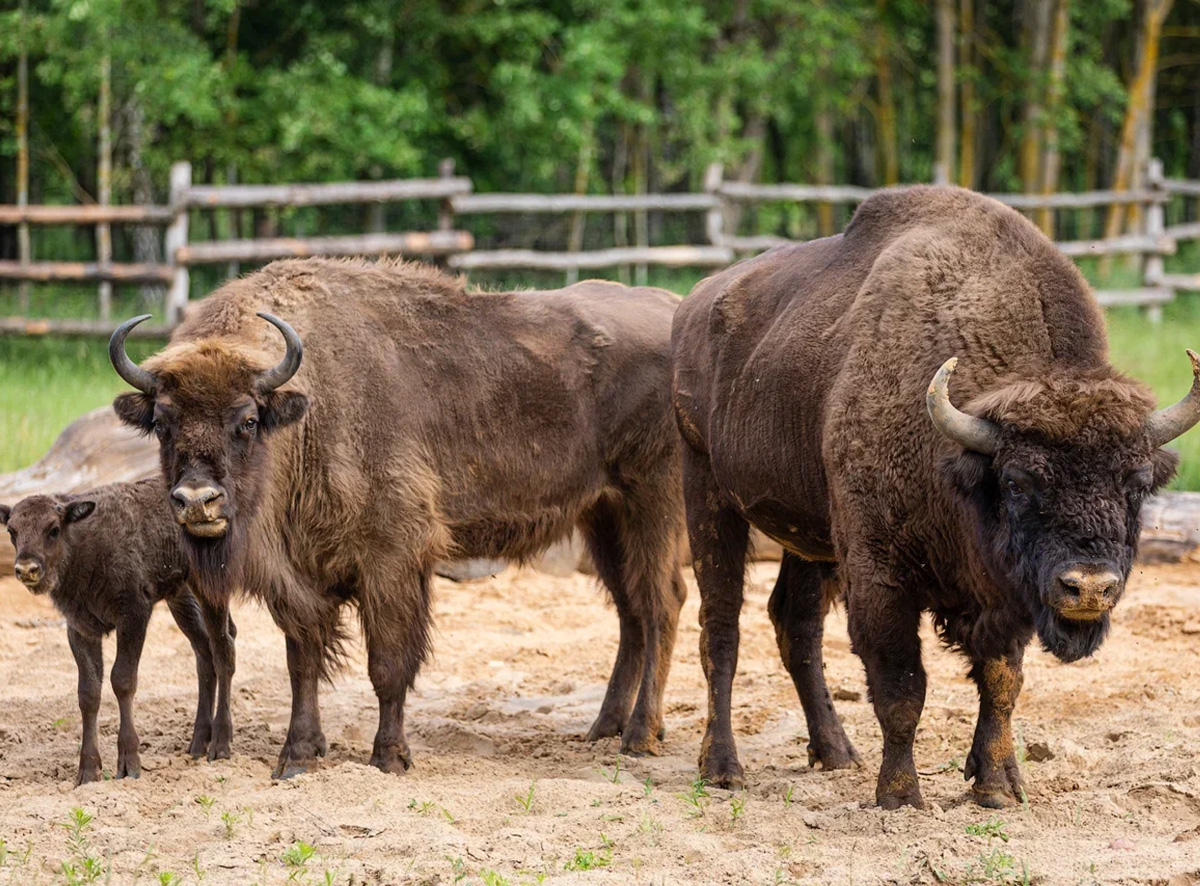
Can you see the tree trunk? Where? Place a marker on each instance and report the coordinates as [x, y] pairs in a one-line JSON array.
[[104, 182], [147, 239], [1051, 159], [970, 113], [887, 102], [23, 246], [583, 169], [1140, 109], [943, 167], [1037, 41], [824, 157]]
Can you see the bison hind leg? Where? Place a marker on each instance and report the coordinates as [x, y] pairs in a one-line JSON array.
[[798, 607]]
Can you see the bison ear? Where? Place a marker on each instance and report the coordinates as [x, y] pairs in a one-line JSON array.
[[5, 513], [281, 409], [968, 473], [136, 410], [1165, 462], [78, 510]]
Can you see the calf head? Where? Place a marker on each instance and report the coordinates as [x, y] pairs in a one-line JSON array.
[[1055, 471], [213, 404], [40, 528]]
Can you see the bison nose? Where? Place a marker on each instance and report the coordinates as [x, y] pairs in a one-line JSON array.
[[28, 571], [190, 496], [1087, 594]]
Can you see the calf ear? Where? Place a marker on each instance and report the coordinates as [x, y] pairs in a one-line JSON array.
[[281, 409], [5, 513], [136, 410], [77, 510], [1165, 462]]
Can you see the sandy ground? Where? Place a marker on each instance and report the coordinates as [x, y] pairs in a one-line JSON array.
[[517, 676]]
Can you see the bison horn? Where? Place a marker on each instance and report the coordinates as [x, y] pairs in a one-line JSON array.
[[969, 432], [1165, 425], [126, 368], [290, 364]]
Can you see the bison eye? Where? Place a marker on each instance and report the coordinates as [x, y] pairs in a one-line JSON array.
[[54, 530], [250, 425], [1015, 490], [160, 429]]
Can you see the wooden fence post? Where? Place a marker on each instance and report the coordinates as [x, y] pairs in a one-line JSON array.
[[1152, 273], [714, 219], [177, 238]]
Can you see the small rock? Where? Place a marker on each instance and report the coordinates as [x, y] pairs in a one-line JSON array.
[[1122, 844], [1191, 627], [1038, 752], [476, 711], [1187, 836], [847, 695], [545, 709]]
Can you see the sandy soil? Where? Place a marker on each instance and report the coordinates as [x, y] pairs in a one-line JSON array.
[[518, 674]]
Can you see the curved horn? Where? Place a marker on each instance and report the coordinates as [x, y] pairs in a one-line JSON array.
[[1165, 425], [126, 368], [969, 432], [290, 364]]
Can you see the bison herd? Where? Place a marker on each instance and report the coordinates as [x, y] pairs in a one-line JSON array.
[[330, 430]]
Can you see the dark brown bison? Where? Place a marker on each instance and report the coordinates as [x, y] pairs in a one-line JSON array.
[[800, 387], [106, 557], [424, 422]]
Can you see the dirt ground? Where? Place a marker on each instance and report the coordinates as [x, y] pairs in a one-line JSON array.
[[518, 673]]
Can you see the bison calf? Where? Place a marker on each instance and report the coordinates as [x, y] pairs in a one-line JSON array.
[[105, 558]]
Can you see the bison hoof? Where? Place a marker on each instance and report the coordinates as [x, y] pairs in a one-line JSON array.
[[996, 786], [128, 766], [222, 743], [606, 726], [723, 770], [220, 750], [394, 759], [642, 745], [898, 789], [199, 746], [895, 801], [299, 756], [834, 755], [89, 771]]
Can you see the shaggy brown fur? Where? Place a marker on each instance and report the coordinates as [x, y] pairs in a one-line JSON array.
[[425, 422], [106, 557], [799, 383]]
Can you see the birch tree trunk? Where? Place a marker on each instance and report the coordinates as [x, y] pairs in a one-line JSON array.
[[1051, 159], [1037, 39], [887, 102], [969, 112], [943, 167]]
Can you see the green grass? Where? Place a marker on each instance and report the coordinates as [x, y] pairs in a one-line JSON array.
[[45, 383]]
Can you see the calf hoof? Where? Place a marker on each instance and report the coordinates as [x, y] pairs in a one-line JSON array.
[[720, 768], [220, 750], [837, 754], [201, 735], [396, 759], [997, 786], [89, 771], [128, 766], [222, 742], [299, 756], [606, 726]]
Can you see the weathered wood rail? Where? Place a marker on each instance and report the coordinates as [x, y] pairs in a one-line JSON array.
[[455, 196]]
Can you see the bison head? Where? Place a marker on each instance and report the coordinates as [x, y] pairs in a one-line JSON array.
[[39, 527], [1056, 470], [213, 404]]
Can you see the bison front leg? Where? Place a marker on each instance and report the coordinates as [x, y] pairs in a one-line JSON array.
[[131, 635], [993, 761], [798, 607], [186, 612], [89, 660], [305, 741], [221, 633], [397, 634], [884, 631], [719, 536]]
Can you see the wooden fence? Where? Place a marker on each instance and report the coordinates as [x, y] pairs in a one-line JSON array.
[[719, 201]]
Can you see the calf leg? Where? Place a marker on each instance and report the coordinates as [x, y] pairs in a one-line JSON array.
[[186, 612], [992, 761], [719, 536], [221, 632], [798, 607], [89, 660], [883, 629], [131, 635], [397, 634], [602, 534], [305, 741]]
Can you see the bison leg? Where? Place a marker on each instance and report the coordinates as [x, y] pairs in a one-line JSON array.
[[397, 634], [221, 632], [186, 612], [798, 607], [602, 531], [719, 537], [305, 741], [131, 635], [884, 631], [993, 761], [89, 660]]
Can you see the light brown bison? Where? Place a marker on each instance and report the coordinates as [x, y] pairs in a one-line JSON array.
[[800, 384], [105, 558], [424, 422]]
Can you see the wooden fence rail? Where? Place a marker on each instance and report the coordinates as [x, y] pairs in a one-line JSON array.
[[718, 201]]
